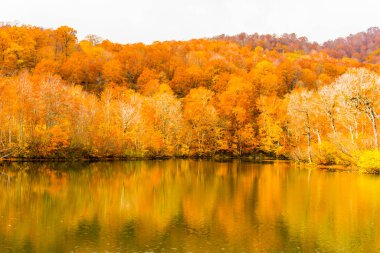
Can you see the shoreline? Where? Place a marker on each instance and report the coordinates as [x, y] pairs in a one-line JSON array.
[[99, 159], [248, 158], [337, 168]]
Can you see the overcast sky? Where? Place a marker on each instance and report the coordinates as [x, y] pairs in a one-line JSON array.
[[128, 21]]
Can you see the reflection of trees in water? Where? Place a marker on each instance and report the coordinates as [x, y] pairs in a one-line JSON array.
[[5, 177], [185, 204]]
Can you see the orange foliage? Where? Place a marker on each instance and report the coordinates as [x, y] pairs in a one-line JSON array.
[[61, 97]]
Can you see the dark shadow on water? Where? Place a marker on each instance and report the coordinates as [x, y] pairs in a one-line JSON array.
[[88, 231]]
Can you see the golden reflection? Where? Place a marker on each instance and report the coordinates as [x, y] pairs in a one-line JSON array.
[[186, 205]]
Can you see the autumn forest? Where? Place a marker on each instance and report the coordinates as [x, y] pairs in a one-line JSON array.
[[277, 96]]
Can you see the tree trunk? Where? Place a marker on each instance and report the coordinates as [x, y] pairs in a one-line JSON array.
[[372, 117], [332, 122], [308, 138], [9, 131]]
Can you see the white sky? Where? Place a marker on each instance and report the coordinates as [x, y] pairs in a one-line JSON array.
[[128, 21]]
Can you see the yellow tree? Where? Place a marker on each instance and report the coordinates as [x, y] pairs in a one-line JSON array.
[[299, 110], [236, 105], [168, 119], [65, 42], [361, 91], [264, 78], [202, 117], [270, 122]]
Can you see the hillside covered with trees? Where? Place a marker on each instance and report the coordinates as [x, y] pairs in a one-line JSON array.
[[278, 95]]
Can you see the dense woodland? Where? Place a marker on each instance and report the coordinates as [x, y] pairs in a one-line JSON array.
[[281, 96]]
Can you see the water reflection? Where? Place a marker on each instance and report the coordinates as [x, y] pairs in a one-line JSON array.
[[186, 206]]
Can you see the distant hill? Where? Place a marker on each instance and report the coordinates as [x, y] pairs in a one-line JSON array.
[[364, 46]]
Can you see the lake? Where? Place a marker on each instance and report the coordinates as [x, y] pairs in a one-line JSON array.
[[186, 206]]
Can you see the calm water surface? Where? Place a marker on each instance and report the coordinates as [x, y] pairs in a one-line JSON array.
[[186, 206]]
